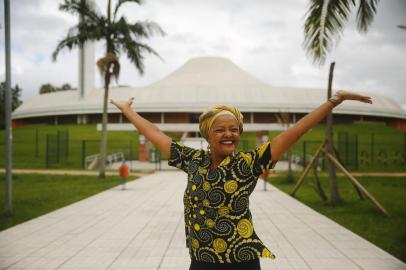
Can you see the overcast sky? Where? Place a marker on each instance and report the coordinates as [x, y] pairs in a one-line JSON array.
[[264, 37]]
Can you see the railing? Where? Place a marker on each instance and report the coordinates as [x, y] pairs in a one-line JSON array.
[[115, 157], [92, 161]]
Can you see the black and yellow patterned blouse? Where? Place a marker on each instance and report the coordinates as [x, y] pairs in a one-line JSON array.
[[218, 222]]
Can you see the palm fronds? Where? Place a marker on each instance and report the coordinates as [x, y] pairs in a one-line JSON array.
[[365, 14], [325, 20], [127, 39], [120, 2], [81, 8], [324, 25], [79, 34], [118, 34]]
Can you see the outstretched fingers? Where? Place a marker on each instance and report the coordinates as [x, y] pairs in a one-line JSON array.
[[113, 102], [130, 100], [367, 99], [346, 95], [122, 104]]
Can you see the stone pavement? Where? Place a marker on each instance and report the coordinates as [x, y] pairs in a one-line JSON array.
[[142, 228]]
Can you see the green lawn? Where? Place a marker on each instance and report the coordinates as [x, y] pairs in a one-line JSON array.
[[386, 153], [378, 148], [29, 149], [389, 233], [38, 194]]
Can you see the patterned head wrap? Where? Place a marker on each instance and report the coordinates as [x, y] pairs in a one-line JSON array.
[[207, 118]]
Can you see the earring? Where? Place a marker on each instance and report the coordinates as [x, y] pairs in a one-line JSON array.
[[208, 148]]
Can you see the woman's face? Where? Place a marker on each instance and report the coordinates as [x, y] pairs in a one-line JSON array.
[[224, 136]]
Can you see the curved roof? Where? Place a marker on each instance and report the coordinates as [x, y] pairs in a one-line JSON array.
[[199, 83]]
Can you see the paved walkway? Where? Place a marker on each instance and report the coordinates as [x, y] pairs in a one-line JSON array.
[[142, 228]]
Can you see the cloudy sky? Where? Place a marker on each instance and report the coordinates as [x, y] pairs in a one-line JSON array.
[[263, 37]]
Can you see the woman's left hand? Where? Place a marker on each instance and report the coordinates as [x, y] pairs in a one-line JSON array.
[[345, 95]]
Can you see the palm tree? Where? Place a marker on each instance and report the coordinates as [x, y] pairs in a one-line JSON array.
[[323, 27], [325, 21], [119, 35]]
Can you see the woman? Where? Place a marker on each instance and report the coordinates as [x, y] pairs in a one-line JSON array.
[[218, 223]]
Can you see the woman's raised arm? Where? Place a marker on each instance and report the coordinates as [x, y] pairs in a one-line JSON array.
[[149, 130], [282, 142]]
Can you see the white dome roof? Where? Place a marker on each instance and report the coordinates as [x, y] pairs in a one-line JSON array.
[[199, 83]]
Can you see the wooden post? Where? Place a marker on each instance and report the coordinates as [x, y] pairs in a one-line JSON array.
[[355, 182], [355, 187], [318, 187], [299, 182]]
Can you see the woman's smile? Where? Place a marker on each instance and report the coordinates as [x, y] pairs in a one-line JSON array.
[[224, 136]]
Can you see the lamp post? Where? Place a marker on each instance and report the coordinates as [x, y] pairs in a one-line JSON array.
[[8, 183]]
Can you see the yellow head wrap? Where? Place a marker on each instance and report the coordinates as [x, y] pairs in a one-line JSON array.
[[207, 118]]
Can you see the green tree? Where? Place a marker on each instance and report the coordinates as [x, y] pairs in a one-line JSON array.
[[65, 86], [119, 36], [324, 23], [47, 88], [15, 100]]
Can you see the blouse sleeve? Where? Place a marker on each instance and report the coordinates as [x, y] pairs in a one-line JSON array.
[[262, 159], [180, 156]]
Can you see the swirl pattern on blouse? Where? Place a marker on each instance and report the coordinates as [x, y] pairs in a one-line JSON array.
[[218, 222]]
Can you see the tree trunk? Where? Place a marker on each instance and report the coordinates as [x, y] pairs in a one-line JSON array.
[[335, 195], [103, 140]]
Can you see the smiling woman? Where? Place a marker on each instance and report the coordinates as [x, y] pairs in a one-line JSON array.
[[218, 222], [221, 126]]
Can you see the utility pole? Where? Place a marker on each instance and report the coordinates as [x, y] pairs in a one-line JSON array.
[[8, 188]]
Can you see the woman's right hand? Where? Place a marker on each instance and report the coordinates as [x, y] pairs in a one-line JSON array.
[[122, 104], [345, 95]]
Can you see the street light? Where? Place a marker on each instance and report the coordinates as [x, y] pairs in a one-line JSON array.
[[8, 188]]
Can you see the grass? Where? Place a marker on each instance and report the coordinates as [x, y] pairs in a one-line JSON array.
[[380, 148], [29, 145], [389, 233], [37, 194], [29, 149]]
